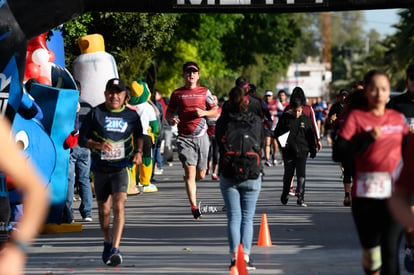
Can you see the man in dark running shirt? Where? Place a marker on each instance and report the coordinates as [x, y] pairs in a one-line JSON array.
[[193, 104], [405, 104], [113, 133]]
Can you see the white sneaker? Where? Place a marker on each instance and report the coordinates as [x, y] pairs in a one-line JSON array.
[[149, 188], [158, 171], [87, 219]]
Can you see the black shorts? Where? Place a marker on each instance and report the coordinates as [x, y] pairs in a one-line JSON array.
[[110, 182], [269, 133], [377, 227]]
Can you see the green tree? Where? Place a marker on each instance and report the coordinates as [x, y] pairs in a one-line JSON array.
[[308, 43], [348, 47], [154, 46], [393, 53], [400, 45], [197, 38], [261, 47], [132, 38]]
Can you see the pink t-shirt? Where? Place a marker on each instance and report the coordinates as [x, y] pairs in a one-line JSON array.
[[375, 167], [184, 102]]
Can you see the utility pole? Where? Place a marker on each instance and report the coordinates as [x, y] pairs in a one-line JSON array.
[[325, 28]]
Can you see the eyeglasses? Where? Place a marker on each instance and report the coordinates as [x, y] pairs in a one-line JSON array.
[[411, 77]]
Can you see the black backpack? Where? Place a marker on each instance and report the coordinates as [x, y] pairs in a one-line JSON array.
[[242, 144]]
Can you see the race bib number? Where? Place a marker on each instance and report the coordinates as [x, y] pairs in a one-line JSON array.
[[376, 185], [117, 152]]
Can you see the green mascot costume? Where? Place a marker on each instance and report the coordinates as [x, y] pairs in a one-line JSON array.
[[140, 96]]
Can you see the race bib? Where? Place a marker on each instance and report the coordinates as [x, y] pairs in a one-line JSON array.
[[376, 185], [117, 152]]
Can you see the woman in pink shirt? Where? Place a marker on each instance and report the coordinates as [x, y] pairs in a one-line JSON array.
[[373, 136]]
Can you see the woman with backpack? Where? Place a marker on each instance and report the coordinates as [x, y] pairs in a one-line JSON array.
[[240, 136]]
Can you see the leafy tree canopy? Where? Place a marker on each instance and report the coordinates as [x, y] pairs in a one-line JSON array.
[[132, 38], [154, 46]]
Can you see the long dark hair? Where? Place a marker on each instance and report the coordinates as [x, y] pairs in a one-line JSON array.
[[237, 102], [298, 94]]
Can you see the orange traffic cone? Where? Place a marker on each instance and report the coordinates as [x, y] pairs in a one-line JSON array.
[[240, 262], [264, 234], [233, 270]]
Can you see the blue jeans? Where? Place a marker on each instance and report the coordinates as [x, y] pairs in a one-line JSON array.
[[79, 170], [240, 201], [156, 153]]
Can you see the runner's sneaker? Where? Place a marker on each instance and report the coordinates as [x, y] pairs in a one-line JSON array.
[[150, 188], [409, 259], [107, 251], [87, 219], [249, 263], [250, 266], [284, 199], [268, 163], [214, 177], [196, 212], [158, 171], [115, 258], [347, 200], [292, 192], [232, 262], [301, 203]]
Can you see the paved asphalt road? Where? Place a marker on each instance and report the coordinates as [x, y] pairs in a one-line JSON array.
[[161, 237]]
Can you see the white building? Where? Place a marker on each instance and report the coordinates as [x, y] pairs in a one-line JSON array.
[[313, 77]]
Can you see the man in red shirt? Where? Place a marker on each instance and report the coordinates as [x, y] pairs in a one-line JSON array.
[[193, 104]]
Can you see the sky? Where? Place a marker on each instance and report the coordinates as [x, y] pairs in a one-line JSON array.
[[381, 20]]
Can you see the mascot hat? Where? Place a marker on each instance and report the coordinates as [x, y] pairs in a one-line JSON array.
[[140, 92]]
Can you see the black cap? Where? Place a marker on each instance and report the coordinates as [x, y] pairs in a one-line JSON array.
[[115, 83], [191, 66]]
